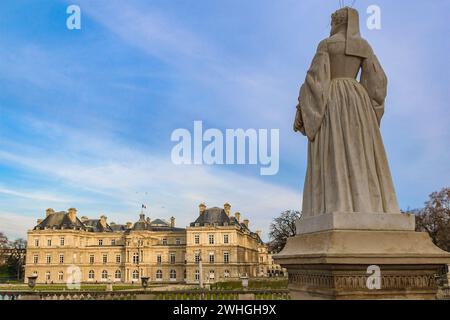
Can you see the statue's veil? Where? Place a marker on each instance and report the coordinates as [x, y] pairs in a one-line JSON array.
[[355, 45]]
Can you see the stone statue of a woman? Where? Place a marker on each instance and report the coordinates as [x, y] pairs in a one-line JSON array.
[[347, 165]]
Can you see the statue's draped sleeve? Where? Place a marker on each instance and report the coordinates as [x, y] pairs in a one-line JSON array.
[[314, 92], [374, 80]]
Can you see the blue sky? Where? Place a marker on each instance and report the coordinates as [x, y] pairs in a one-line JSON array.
[[86, 115]]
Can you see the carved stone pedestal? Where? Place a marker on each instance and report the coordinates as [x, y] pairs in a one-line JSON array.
[[330, 257]]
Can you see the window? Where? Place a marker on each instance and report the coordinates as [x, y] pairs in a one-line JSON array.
[[36, 242], [211, 257], [173, 275], [118, 274], [135, 258], [135, 274], [177, 241], [91, 274], [164, 242], [60, 276], [211, 274], [184, 274], [105, 258], [91, 259], [35, 259], [225, 238], [226, 274], [47, 276], [172, 258], [61, 258], [49, 242], [61, 241], [226, 257], [197, 239], [197, 275], [113, 242], [197, 257], [159, 275], [104, 274], [48, 258], [158, 259], [100, 242], [211, 239], [118, 258]]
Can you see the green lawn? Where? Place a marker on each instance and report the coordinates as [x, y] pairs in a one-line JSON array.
[[259, 284]]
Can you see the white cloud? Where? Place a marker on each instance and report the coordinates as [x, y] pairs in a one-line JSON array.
[[127, 176], [14, 225]]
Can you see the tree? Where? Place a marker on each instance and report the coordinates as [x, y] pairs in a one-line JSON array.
[[282, 228], [16, 259], [3, 241], [434, 218]]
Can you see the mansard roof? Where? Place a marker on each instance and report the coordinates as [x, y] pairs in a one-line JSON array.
[[216, 216], [213, 216], [153, 225], [60, 220], [95, 225]]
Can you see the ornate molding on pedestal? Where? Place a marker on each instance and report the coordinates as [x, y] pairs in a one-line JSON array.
[[358, 281]]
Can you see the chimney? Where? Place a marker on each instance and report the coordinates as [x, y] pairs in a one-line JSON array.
[[246, 222], [129, 224], [201, 208], [84, 218], [238, 216], [227, 208], [49, 211], [72, 213], [142, 217], [172, 222], [148, 220], [38, 222], [103, 221]]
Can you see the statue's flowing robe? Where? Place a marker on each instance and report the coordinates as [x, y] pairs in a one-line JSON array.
[[347, 167]]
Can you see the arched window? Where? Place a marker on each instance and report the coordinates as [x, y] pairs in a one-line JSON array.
[[91, 274], [173, 275], [104, 274], [226, 274], [118, 274], [135, 274], [159, 275]]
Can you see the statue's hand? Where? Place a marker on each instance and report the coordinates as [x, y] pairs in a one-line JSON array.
[[298, 123]]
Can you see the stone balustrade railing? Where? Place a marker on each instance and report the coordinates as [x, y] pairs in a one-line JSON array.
[[280, 294]]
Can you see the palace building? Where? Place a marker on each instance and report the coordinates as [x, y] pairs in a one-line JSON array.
[[217, 246]]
